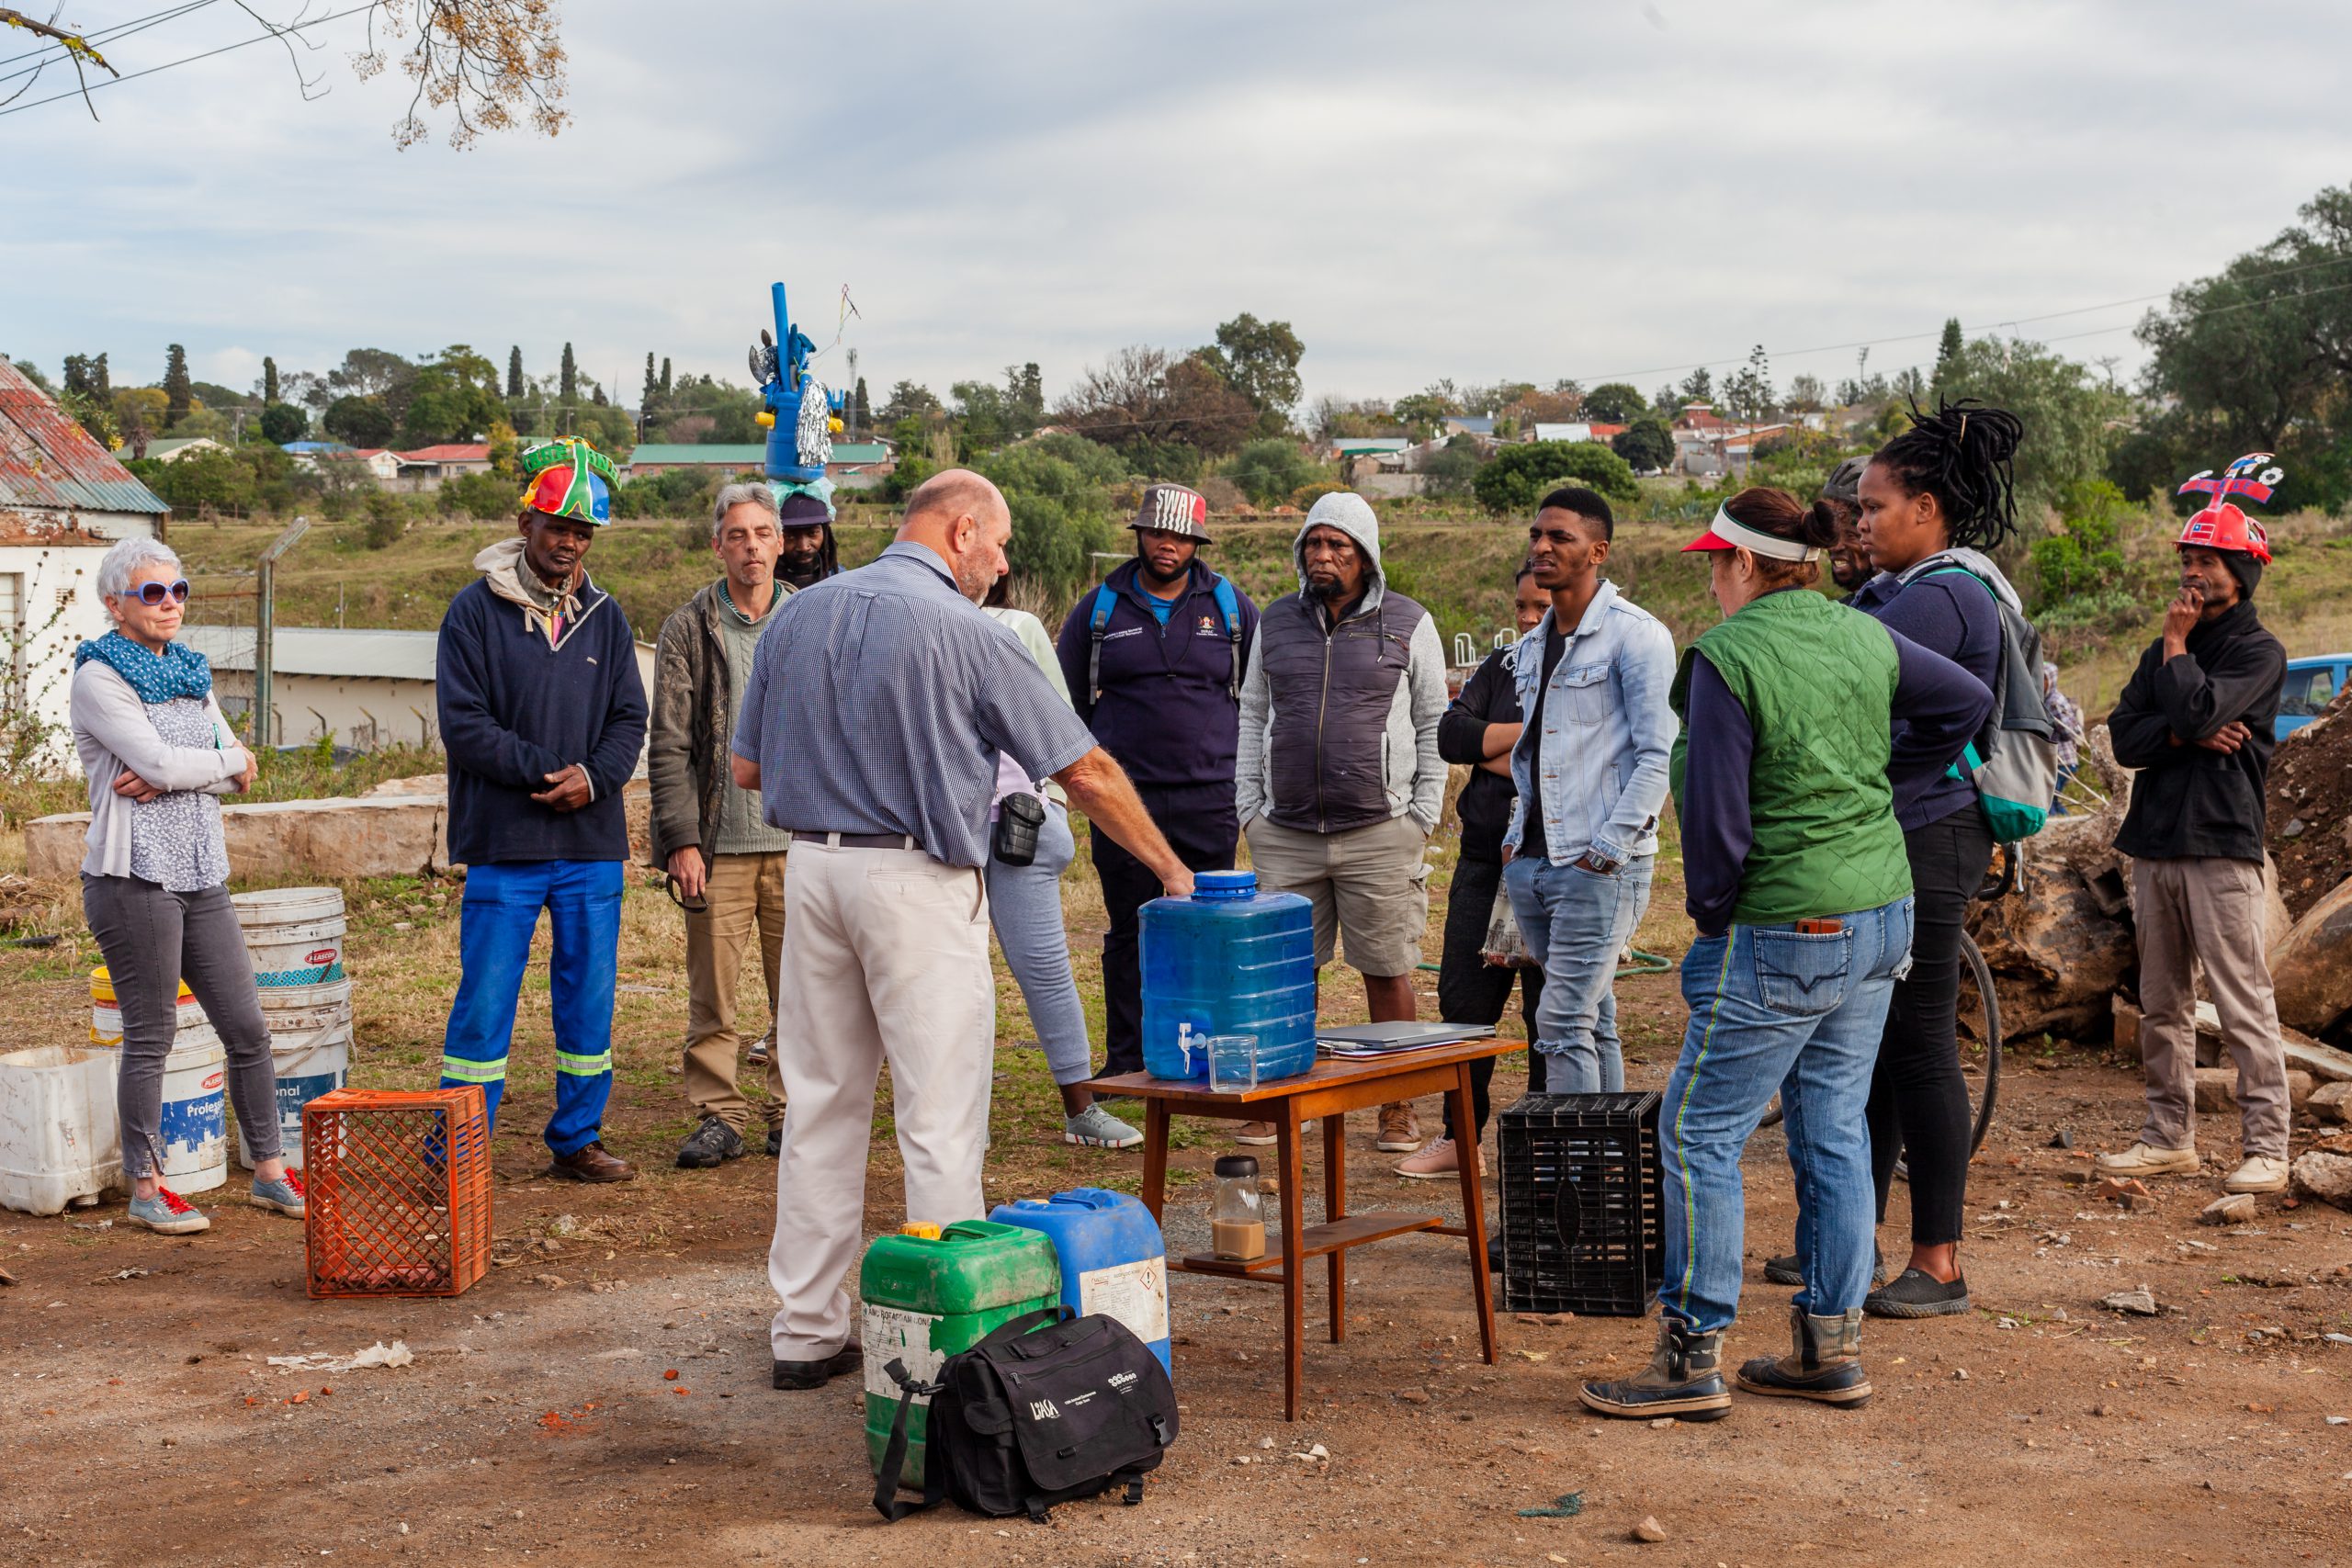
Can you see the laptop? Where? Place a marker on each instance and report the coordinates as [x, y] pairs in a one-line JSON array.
[[1379, 1039]]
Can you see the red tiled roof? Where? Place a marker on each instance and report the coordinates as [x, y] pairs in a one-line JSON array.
[[457, 454]]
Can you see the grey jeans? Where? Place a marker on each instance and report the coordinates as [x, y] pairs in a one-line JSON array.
[[154, 938]]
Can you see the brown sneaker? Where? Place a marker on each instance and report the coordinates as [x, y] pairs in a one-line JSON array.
[[1255, 1134], [1401, 1130], [592, 1164]]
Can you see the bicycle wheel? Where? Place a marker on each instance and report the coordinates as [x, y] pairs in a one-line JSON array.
[[1981, 1010]]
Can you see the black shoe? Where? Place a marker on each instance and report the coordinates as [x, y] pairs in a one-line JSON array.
[[1918, 1293], [710, 1144], [1824, 1363], [775, 1143], [1684, 1379], [1495, 1255], [815, 1374], [1784, 1270]]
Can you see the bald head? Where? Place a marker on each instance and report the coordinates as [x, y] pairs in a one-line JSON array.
[[963, 518]]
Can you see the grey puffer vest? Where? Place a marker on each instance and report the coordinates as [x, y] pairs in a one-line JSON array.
[[1330, 697]]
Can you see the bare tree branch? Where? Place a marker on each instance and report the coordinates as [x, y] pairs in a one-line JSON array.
[[76, 50]]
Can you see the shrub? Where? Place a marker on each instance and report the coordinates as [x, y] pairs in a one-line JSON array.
[[1453, 470], [1270, 470], [386, 519], [1306, 496], [1519, 476], [486, 496]]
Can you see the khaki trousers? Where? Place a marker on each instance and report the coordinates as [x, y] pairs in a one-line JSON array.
[[885, 958], [2209, 909], [744, 897]]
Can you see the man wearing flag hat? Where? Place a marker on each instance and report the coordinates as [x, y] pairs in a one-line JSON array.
[[543, 718], [2197, 720]]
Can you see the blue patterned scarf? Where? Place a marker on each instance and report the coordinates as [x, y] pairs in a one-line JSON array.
[[178, 671]]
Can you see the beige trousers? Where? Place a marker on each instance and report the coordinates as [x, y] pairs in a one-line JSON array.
[[745, 899], [2209, 909], [885, 958]]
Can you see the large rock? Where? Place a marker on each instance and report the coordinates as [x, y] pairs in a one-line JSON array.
[[2313, 967], [2323, 1176], [2061, 945], [2217, 1088], [335, 839]]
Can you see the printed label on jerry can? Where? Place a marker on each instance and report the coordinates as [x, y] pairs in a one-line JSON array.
[[1136, 1293], [894, 1334]]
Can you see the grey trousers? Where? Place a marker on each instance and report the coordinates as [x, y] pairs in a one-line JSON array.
[[2208, 910], [153, 939]]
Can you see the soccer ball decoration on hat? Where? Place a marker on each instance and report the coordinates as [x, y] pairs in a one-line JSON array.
[[568, 479]]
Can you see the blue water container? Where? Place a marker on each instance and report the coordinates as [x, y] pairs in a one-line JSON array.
[[1229, 960], [1112, 1258]]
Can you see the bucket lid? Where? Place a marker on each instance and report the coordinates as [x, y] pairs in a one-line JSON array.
[[1225, 884], [286, 906], [1237, 1165]]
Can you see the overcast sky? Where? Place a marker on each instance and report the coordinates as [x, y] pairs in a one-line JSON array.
[[1421, 190]]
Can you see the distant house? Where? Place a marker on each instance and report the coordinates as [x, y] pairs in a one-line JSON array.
[[429, 467], [361, 689], [63, 501], [172, 448], [861, 465], [381, 463], [1583, 430], [1469, 424], [1707, 444], [662, 456], [1348, 447]]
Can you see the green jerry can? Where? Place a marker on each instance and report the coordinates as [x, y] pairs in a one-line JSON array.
[[927, 1293]]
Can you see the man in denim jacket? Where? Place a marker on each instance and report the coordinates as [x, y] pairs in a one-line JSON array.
[[1591, 769]]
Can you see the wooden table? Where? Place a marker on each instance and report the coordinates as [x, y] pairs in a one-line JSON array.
[[1336, 1085]]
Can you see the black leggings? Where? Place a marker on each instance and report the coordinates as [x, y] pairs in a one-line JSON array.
[[1918, 1105], [1471, 990]]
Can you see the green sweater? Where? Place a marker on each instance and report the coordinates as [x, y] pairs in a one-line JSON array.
[[1818, 683]]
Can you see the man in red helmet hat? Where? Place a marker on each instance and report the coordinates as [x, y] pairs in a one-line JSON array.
[[2196, 721]]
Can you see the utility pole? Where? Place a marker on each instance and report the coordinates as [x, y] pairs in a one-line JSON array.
[[852, 394], [265, 625]]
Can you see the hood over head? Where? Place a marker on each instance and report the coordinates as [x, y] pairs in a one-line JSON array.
[[1351, 514]]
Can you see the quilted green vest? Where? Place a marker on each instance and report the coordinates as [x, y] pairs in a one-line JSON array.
[[1817, 681]]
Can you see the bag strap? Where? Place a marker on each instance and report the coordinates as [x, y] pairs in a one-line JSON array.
[[1230, 608], [1105, 602], [1014, 1328], [887, 1501]]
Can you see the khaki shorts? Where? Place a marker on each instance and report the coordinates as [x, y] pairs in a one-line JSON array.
[[1369, 885]]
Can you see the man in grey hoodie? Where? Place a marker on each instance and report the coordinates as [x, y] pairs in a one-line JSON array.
[[1339, 784]]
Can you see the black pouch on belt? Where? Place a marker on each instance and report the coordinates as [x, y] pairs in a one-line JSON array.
[[1017, 821]]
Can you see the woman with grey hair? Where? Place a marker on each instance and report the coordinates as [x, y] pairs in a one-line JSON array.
[[157, 752]]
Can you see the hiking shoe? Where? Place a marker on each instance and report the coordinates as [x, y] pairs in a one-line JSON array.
[[1255, 1134], [1401, 1130], [712, 1143], [1096, 1128], [1917, 1293], [1785, 1270], [2260, 1173], [1439, 1157], [591, 1163], [815, 1374], [776, 1142], [169, 1214], [1824, 1363], [1684, 1379], [284, 1196], [2141, 1159], [761, 1049]]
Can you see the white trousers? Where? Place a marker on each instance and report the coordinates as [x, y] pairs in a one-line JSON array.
[[885, 958]]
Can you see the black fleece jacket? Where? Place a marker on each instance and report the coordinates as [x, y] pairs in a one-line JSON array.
[[2187, 800]]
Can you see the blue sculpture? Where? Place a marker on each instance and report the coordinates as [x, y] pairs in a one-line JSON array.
[[800, 412]]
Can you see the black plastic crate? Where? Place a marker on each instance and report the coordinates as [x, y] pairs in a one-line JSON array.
[[1581, 1226]]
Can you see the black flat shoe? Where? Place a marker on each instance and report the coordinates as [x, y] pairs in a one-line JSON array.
[[1784, 1270], [816, 1374], [1917, 1293]]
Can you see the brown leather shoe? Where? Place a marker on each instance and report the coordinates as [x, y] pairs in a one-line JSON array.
[[591, 1163], [1401, 1130]]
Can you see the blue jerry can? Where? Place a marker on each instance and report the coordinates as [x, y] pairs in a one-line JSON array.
[[1112, 1258]]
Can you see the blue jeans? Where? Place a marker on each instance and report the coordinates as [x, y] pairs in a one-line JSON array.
[[1025, 908], [1772, 1009], [1577, 922], [501, 910]]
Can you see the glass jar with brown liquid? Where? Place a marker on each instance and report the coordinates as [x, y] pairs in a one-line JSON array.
[[1236, 1218]]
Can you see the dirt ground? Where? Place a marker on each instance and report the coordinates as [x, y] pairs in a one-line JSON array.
[[539, 1419]]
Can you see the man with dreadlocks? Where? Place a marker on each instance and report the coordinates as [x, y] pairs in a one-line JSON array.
[[2197, 720], [543, 717], [805, 512], [1933, 502]]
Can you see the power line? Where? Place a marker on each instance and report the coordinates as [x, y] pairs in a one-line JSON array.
[[57, 51], [171, 64]]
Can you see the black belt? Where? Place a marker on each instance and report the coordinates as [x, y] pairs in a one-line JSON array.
[[857, 841]]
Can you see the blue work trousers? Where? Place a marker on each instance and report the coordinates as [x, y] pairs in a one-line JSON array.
[[1773, 1009], [502, 907], [1577, 922]]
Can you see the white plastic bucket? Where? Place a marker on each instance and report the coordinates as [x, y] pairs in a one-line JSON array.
[[106, 1014], [59, 1141], [307, 1066], [195, 1120], [293, 935]]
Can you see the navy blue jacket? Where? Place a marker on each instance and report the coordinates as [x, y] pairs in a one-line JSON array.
[[1167, 711], [514, 710], [1948, 613]]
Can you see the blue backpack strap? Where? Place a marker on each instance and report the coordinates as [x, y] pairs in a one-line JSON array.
[[1104, 603], [1229, 608]]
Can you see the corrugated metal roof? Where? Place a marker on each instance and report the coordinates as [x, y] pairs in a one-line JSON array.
[[321, 650], [715, 454], [47, 460], [861, 452]]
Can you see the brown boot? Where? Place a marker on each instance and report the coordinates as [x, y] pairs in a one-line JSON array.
[[592, 1164], [1824, 1362], [1401, 1130]]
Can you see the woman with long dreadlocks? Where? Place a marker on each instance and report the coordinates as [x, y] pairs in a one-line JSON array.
[[1935, 500]]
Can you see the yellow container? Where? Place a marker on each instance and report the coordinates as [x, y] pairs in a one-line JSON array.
[[106, 1017]]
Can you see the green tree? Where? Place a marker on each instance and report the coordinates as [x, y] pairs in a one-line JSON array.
[[863, 422], [176, 385], [1453, 470], [281, 423], [1699, 386], [1424, 413], [1057, 488], [1517, 475], [1948, 347], [1806, 394], [665, 374], [567, 378], [1748, 391], [359, 421], [650, 393], [139, 415], [1614, 402], [1260, 360], [1646, 445], [1270, 468], [514, 372], [269, 381], [2071, 417]]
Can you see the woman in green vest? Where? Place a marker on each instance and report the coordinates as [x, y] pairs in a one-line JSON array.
[[1795, 874]]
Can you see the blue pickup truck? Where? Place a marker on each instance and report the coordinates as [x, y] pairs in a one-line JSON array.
[[2311, 684]]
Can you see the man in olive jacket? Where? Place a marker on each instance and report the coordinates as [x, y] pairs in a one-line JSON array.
[[726, 864]]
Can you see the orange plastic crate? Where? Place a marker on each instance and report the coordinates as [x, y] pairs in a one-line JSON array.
[[399, 1191]]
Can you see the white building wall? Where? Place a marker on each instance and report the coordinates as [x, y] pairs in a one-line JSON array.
[[49, 604]]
